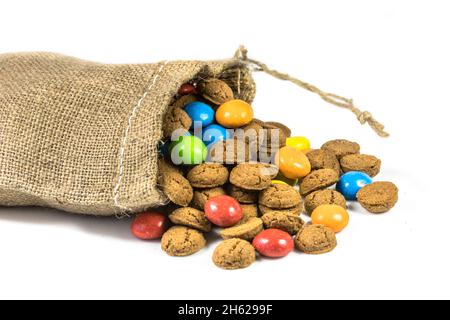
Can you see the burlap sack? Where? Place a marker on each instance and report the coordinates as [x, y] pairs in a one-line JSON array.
[[82, 136]]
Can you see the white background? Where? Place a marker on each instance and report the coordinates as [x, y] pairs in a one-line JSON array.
[[392, 57]]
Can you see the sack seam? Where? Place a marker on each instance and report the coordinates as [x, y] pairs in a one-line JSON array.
[[127, 131]]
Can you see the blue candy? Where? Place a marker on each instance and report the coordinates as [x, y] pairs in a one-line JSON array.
[[214, 133], [200, 112], [350, 183], [163, 148]]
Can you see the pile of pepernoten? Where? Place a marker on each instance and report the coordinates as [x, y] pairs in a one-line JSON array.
[[251, 181]]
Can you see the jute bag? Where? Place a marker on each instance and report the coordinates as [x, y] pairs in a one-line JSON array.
[[82, 136]]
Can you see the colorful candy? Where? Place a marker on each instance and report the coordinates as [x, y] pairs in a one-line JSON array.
[[273, 243], [186, 89], [234, 114], [214, 133], [291, 182], [350, 183], [188, 150], [149, 225], [200, 112], [332, 216], [278, 182], [292, 162], [224, 211], [300, 143]]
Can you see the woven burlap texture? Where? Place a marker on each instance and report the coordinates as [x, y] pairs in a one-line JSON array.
[[82, 136]]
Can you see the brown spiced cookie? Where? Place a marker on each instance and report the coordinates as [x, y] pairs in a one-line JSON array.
[[251, 176], [176, 118], [361, 162], [184, 100], [341, 147], [280, 196], [291, 223], [323, 159], [297, 210], [252, 130], [234, 254], [166, 166], [249, 211], [176, 187], [378, 197], [286, 130], [272, 136], [315, 239], [318, 179], [201, 196], [320, 197], [242, 195], [208, 175], [215, 90], [190, 217], [246, 231], [231, 151], [182, 241]]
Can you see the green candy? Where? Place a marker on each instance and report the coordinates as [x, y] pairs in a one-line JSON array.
[[188, 150]]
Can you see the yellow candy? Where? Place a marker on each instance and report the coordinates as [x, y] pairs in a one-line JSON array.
[[278, 182], [280, 177], [234, 114], [300, 143]]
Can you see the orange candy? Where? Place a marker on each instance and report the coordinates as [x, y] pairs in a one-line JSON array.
[[234, 114], [331, 215], [292, 162]]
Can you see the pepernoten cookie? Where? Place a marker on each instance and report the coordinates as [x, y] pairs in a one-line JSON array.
[[242, 195], [318, 179], [201, 196], [341, 147], [181, 241], [320, 197], [215, 90], [246, 231], [234, 254], [251, 176], [378, 197], [184, 101], [208, 175], [315, 239], [296, 210], [291, 223], [272, 134], [361, 162], [280, 196], [174, 185], [190, 217], [323, 159], [287, 131], [175, 119], [249, 210], [230, 151]]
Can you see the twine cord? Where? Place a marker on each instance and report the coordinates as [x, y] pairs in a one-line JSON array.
[[362, 116]]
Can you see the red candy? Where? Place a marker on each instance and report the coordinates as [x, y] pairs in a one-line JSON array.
[[273, 243], [149, 225], [223, 211], [186, 88]]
